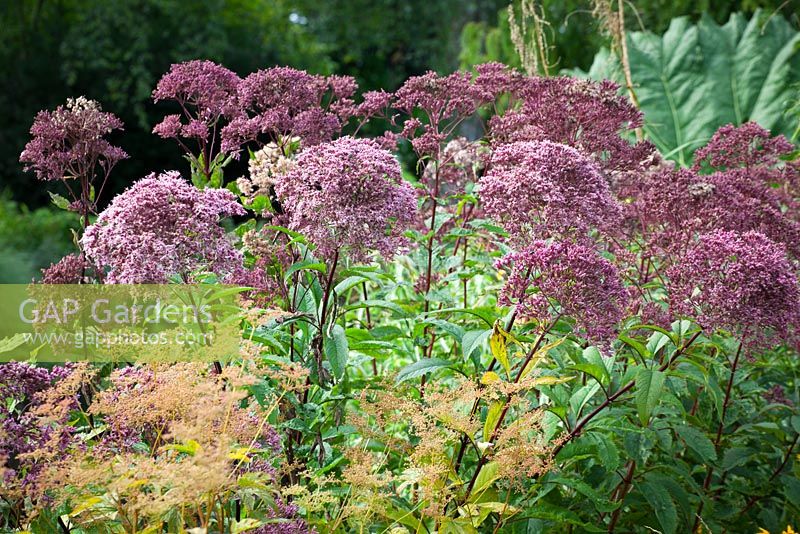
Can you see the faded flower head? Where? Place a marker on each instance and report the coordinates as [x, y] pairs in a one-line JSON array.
[[538, 189], [348, 194], [265, 165], [70, 141], [564, 279], [161, 227], [461, 162], [742, 283], [587, 115]]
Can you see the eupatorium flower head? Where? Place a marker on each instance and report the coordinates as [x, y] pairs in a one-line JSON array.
[[208, 89], [587, 115], [543, 188], [70, 141], [160, 227], [742, 283], [674, 205], [564, 278], [348, 194], [742, 146], [71, 269], [285, 102]]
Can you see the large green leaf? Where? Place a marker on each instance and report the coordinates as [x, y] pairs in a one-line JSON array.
[[336, 350], [696, 78], [661, 502], [649, 384], [421, 367]]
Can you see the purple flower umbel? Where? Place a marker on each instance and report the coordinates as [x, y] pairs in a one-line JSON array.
[[564, 278], [742, 283], [161, 227], [348, 194], [540, 189], [70, 142]]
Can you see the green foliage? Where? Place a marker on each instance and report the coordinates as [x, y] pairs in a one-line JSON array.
[[697, 78], [32, 239]]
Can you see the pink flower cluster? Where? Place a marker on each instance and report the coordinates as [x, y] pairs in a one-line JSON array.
[[446, 101], [564, 279], [70, 142], [742, 146], [742, 283], [750, 191], [348, 194], [71, 269], [163, 227], [587, 115], [205, 92], [285, 102], [539, 189]]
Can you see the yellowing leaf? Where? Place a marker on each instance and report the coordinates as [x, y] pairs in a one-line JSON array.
[[492, 416], [550, 380], [499, 345], [190, 447], [490, 377], [539, 356], [85, 505], [137, 483]]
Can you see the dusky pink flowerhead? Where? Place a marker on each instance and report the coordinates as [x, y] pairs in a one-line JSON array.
[[673, 205], [71, 269], [589, 116], [742, 146], [70, 141], [741, 283], [443, 101], [537, 189], [162, 227], [494, 79], [282, 102], [206, 93], [348, 194], [205, 90], [546, 280]]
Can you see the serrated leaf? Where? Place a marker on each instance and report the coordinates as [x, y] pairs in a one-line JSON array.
[[698, 442], [660, 501], [59, 201], [336, 350], [649, 384], [472, 340], [607, 451], [421, 367]]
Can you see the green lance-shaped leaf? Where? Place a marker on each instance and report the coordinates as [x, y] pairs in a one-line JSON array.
[[423, 366], [697, 441], [661, 502], [336, 350], [649, 384]]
